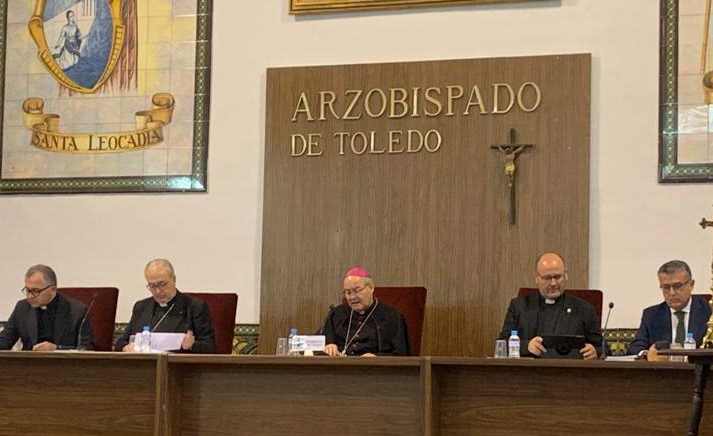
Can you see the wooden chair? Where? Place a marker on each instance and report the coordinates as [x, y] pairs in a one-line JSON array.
[[593, 296], [102, 314], [411, 302], [222, 309]]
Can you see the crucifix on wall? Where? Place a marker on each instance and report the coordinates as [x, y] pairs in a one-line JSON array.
[[510, 153]]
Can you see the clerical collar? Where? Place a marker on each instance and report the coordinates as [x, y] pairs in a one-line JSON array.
[[368, 309], [549, 301], [169, 303], [51, 306]]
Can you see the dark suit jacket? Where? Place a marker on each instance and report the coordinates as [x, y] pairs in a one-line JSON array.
[[187, 314], [580, 318], [389, 323], [70, 313], [656, 324]]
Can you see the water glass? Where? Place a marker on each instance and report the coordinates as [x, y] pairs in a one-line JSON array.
[[676, 346], [501, 349], [281, 349]]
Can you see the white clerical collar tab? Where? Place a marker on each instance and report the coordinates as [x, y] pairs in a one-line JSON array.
[[550, 301]]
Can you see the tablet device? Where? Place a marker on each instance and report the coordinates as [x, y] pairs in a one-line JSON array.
[[563, 346]]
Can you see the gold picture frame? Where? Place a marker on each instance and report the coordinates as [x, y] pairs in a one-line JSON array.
[[320, 6]]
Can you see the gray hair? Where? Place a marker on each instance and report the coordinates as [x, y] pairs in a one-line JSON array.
[[673, 266], [164, 263], [368, 281], [48, 274]]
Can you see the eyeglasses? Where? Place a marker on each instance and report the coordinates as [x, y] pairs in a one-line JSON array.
[[32, 293], [674, 287], [355, 291], [156, 286], [549, 278]]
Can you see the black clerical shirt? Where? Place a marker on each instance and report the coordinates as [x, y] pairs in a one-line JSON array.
[[45, 321], [384, 332], [364, 334], [531, 316], [159, 312], [549, 315]]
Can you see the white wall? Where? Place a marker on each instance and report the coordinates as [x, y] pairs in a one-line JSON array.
[[214, 238]]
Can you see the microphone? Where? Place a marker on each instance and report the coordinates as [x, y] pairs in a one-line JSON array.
[[320, 331], [604, 331], [81, 324]]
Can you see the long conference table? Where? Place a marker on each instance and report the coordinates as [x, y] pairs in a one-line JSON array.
[[88, 393]]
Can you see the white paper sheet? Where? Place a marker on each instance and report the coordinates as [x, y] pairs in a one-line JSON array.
[[166, 341], [309, 343], [629, 358]]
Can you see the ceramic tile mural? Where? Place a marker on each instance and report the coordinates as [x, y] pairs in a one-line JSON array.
[[686, 91], [105, 95]]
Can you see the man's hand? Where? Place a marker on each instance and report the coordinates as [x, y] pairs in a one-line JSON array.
[[368, 355], [535, 346], [588, 352], [653, 354], [128, 348], [331, 350], [188, 340], [44, 346]]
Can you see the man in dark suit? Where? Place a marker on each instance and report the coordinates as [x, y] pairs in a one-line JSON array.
[[551, 312], [679, 314], [46, 320], [169, 311]]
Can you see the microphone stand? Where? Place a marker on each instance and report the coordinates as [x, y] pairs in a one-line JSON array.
[[332, 308], [604, 331], [81, 324]]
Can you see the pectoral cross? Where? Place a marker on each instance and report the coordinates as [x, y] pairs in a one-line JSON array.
[[708, 338], [510, 153]]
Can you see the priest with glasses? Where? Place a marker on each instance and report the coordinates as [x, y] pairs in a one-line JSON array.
[[362, 325], [45, 320]]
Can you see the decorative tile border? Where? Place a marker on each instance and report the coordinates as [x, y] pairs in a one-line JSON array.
[[244, 341], [246, 337]]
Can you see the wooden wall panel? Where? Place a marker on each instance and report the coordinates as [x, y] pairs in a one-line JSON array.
[[437, 220]]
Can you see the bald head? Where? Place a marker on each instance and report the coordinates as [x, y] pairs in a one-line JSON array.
[[548, 259], [551, 275]]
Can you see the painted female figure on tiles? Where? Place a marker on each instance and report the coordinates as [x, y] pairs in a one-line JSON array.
[[90, 41]]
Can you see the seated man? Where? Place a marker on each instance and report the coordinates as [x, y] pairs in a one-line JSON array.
[[46, 320], [169, 311], [551, 312], [679, 313], [364, 326]]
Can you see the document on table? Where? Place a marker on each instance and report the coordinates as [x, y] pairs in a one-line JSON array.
[[166, 341], [629, 358]]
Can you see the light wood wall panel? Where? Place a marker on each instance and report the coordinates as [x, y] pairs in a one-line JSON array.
[[437, 220]]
